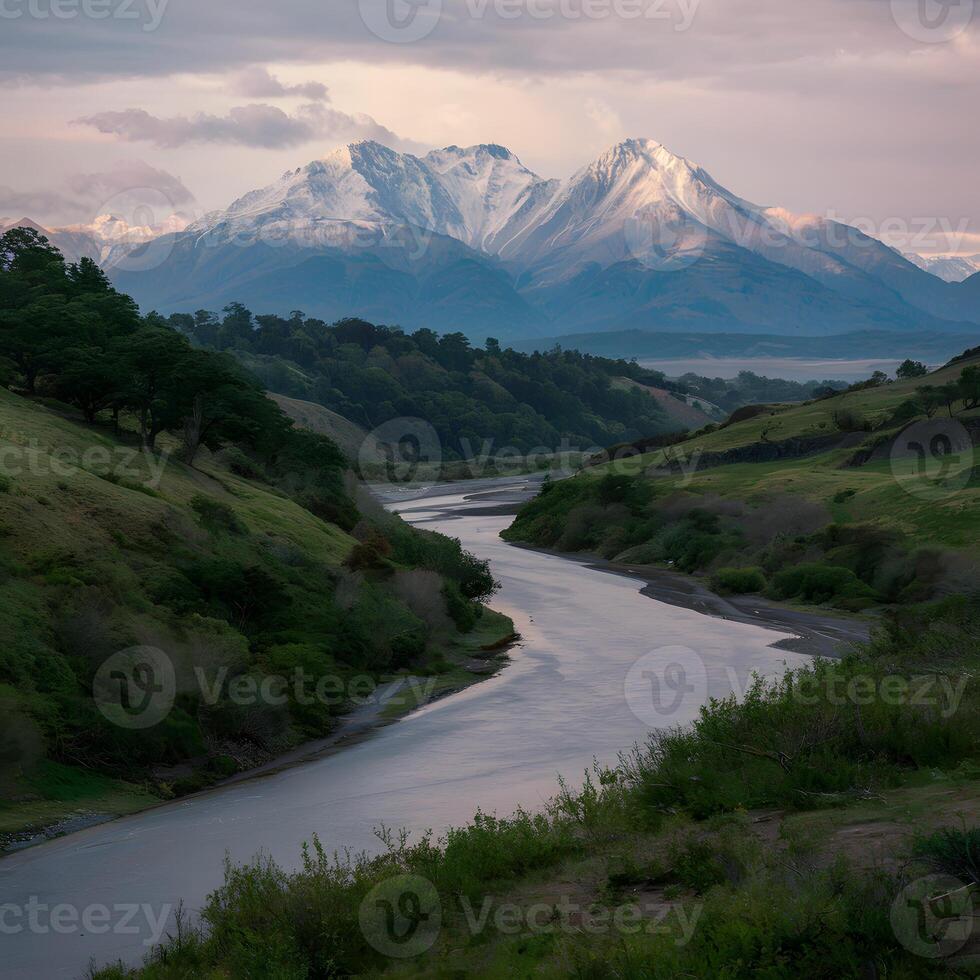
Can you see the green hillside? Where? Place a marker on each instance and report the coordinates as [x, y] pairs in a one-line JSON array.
[[166, 530], [875, 406], [348, 436], [816, 502]]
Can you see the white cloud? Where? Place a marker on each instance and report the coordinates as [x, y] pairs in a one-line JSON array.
[[255, 125], [259, 83]]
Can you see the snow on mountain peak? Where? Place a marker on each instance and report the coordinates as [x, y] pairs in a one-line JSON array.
[[636, 201], [489, 187], [949, 268]]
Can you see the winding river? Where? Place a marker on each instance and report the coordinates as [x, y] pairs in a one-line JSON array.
[[599, 664]]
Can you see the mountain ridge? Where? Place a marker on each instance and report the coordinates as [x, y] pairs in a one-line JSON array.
[[468, 238]]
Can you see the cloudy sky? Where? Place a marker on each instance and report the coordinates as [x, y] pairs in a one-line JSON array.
[[863, 110]]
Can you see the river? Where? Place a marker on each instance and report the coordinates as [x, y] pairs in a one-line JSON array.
[[582, 686]]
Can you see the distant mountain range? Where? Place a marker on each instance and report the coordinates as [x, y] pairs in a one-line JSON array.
[[949, 268], [471, 240]]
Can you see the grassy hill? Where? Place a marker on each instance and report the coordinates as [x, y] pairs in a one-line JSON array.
[[876, 406], [346, 434], [789, 495], [104, 547], [685, 412]]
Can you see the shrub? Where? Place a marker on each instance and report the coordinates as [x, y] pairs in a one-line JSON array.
[[817, 583], [789, 743], [216, 516], [464, 614], [953, 852], [848, 420], [738, 581], [369, 555]]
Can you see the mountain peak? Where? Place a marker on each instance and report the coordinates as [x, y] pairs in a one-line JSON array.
[[489, 149], [24, 222], [644, 150]]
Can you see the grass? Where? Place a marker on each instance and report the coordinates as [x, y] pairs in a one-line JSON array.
[[55, 793], [869, 493], [843, 527], [877, 497]]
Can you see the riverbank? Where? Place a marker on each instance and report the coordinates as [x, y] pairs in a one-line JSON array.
[[819, 633], [471, 659]]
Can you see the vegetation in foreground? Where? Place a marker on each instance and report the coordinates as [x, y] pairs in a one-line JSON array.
[[788, 834], [152, 496]]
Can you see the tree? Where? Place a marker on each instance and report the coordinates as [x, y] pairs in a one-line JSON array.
[[219, 404], [969, 387], [33, 302], [206, 328], [930, 399], [909, 369], [824, 391], [89, 288], [90, 378], [237, 328], [151, 362], [949, 394]]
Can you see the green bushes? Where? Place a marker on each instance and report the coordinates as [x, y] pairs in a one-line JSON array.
[[823, 925], [738, 581], [442, 554], [464, 614], [265, 922], [620, 517], [800, 741], [216, 516], [952, 851], [815, 583]]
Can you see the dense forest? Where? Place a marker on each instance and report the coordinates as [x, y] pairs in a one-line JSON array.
[[372, 374], [151, 494]]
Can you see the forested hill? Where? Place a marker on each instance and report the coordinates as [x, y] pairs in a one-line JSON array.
[[371, 374], [161, 519]]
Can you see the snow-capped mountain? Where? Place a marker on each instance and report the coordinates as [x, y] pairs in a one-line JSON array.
[[469, 238], [949, 268], [104, 240], [470, 195], [494, 193]]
